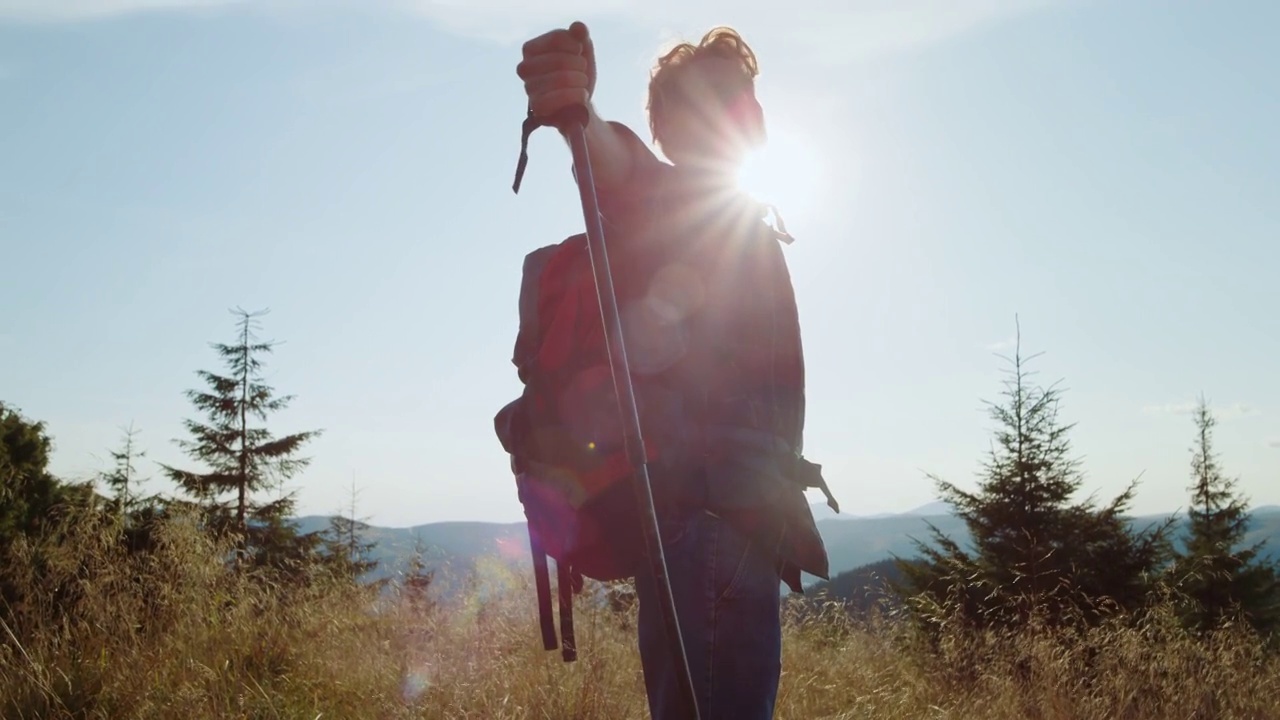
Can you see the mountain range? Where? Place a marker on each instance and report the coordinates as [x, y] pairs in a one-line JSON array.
[[852, 541]]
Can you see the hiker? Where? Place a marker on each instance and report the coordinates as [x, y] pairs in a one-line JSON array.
[[713, 339]]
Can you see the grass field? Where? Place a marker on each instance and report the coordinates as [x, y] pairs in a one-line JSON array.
[[103, 635]]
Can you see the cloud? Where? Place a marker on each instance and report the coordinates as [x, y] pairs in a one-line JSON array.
[[355, 82], [52, 11], [1226, 412], [1235, 410], [829, 31], [1170, 409], [826, 31], [1004, 345], [1274, 443], [843, 32]]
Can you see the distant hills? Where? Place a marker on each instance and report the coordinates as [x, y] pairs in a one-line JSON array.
[[822, 512], [852, 542], [450, 548], [861, 551]]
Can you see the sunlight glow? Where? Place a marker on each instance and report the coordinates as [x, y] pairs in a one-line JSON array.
[[787, 172]]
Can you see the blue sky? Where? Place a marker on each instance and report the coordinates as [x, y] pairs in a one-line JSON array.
[[1107, 171]]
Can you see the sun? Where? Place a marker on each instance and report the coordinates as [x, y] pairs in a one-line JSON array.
[[786, 172]]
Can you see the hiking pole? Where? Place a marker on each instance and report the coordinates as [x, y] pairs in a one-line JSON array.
[[574, 124], [572, 121]]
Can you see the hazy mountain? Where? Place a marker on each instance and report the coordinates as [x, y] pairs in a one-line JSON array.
[[864, 584], [851, 541], [862, 588], [937, 507], [450, 548], [849, 511], [861, 541]]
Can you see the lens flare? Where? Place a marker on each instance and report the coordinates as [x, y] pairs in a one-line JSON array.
[[786, 172], [415, 683]]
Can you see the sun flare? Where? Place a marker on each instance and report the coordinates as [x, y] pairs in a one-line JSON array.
[[786, 172]]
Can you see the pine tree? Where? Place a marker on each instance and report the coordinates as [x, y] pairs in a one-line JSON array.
[[138, 516], [415, 582], [1034, 550], [1218, 579], [123, 479], [348, 553], [243, 458]]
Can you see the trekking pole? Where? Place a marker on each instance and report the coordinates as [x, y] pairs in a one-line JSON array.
[[572, 121]]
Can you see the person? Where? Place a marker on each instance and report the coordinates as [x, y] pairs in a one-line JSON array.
[[709, 308]]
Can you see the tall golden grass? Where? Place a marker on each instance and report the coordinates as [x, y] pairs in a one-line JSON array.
[[103, 634]]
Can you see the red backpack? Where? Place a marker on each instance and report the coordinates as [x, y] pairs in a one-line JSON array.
[[564, 437], [564, 432]]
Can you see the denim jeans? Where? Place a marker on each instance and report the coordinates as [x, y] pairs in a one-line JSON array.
[[728, 602]]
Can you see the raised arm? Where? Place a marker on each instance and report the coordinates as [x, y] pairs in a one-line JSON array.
[[559, 70]]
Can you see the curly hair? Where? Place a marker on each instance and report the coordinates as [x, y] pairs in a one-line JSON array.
[[722, 42]]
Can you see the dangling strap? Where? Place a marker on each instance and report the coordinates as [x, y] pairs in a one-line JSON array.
[[531, 123], [809, 474], [565, 583], [780, 232], [542, 581]]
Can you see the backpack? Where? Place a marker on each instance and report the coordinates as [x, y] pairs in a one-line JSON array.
[[564, 438], [564, 432]]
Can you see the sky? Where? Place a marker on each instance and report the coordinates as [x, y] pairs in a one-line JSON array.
[[1104, 174]]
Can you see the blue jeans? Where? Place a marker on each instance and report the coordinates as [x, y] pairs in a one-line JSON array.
[[728, 602]]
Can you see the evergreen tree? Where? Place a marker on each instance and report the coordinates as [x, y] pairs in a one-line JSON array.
[[122, 479], [348, 552], [1034, 550], [138, 516], [30, 496], [415, 582], [1218, 579], [243, 458], [35, 507]]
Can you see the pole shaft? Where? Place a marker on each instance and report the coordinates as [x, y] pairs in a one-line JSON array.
[[634, 442]]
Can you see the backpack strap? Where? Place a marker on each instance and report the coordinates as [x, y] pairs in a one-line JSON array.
[[809, 475], [531, 123], [542, 581], [565, 586], [780, 231]]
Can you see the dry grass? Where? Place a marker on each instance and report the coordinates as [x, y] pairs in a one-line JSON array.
[[104, 635]]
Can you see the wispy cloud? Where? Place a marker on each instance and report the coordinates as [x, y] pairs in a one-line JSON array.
[[355, 82], [830, 31], [1185, 408], [1224, 412], [1274, 443], [833, 31], [1004, 345], [843, 32], [1235, 410], [52, 11]]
